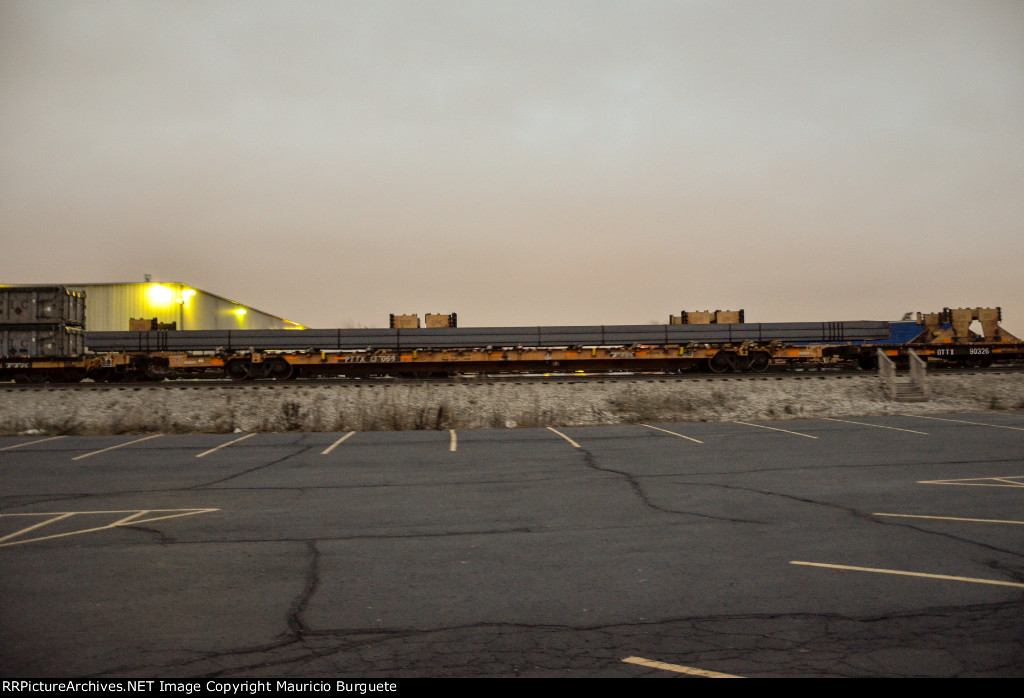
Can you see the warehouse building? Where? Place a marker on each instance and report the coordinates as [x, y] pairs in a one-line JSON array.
[[169, 305]]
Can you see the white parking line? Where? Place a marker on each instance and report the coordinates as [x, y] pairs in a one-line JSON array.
[[217, 448], [455, 441], [336, 444], [1004, 481], [575, 445], [761, 426], [951, 518], [974, 580], [111, 448], [132, 518], [681, 436], [33, 527], [29, 443], [679, 669], [961, 421], [877, 426]]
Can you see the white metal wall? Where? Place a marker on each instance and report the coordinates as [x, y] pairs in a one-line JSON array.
[[108, 307]]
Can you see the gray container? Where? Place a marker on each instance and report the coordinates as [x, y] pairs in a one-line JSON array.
[[36, 305], [41, 340]]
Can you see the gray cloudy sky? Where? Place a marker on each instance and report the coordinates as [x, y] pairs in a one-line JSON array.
[[535, 162]]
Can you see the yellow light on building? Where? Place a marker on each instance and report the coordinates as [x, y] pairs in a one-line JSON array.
[[240, 312], [159, 295]]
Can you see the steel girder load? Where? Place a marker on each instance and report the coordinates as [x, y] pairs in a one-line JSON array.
[[485, 337]]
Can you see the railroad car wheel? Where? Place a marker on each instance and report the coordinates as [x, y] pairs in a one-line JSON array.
[[102, 375], [760, 361], [237, 370], [279, 369], [75, 375], [720, 362]]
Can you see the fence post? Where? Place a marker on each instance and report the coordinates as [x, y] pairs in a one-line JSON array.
[[918, 372], [887, 372]]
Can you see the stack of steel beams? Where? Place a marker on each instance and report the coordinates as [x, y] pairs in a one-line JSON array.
[[486, 337]]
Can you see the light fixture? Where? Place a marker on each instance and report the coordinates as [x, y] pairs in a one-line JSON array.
[[159, 295]]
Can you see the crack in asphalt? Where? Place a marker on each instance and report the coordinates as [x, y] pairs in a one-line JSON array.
[[161, 537], [858, 514], [1014, 574], [16, 501], [750, 644], [254, 469], [832, 466], [591, 462], [296, 626]]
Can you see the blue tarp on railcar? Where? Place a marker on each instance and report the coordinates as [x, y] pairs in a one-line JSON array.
[[902, 332], [899, 333]]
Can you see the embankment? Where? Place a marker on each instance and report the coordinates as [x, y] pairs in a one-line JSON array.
[[474, 404]]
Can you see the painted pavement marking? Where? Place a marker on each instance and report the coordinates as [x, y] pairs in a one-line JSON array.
[[217, 448], [681, 436], [952, 518], [961, 421], [130, 520], [111, 448], [1004, 481], [455, 441], [679, 669], [575, 445], [29, 443], [877, 426], [336, 444], [760, 426], [974, 580]]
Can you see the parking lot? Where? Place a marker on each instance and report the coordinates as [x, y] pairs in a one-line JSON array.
[[874, 546]]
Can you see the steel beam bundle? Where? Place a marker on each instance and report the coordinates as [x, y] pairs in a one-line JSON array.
[[485, 337]]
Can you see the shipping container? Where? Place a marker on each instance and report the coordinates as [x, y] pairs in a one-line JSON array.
[[41, 340], [36, 305]]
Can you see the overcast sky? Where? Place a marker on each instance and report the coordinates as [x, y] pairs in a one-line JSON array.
[[521, 162]]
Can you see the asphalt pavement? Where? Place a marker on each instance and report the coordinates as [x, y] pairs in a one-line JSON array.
[[876, 546]]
